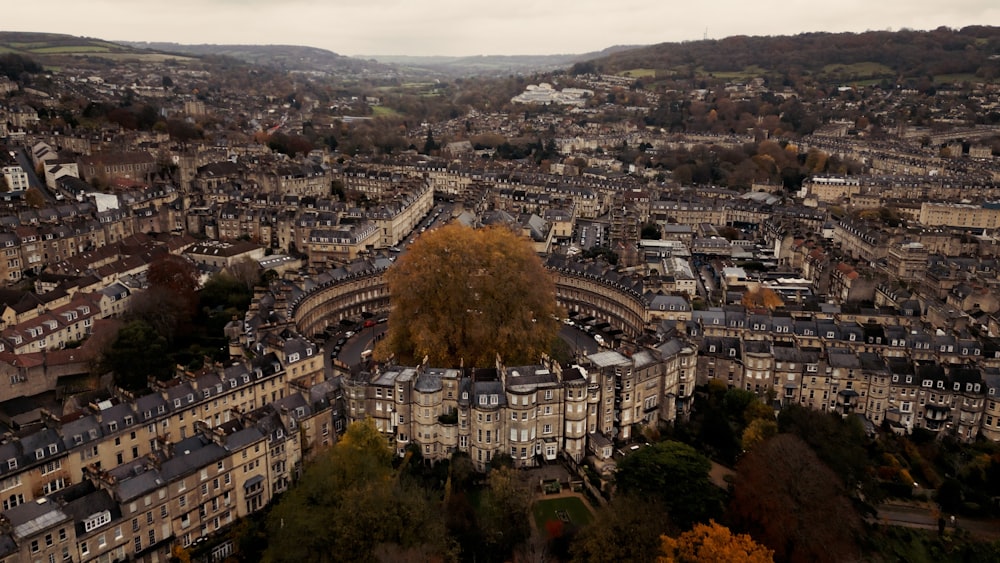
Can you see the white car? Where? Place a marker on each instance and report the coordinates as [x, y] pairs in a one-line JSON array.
[[599, 339]]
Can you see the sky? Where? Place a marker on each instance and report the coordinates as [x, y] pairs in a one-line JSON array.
[[475, 27]]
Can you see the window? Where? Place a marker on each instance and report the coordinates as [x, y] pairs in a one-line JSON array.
[[138, 544], [547, 429]]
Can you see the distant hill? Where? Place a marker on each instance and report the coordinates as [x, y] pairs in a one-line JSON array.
[[970, 53], [52, 48], [491, 64], [286, 57]]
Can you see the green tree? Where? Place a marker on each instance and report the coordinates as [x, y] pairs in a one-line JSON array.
[[137, 352], [628, 529], [505, 512], [351, 506], [651, 231], [463, 296], [675, 475], [429, 144]]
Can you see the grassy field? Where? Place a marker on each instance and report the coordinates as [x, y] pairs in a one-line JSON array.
[[639, 73], [70, 49], [950, 78], [382, 111], [573, 508], [858, 70], [752, 71]]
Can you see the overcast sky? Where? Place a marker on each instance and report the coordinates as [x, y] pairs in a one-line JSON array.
[[475, 27]]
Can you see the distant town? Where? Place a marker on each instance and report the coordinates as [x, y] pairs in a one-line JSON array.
[[836, 250]]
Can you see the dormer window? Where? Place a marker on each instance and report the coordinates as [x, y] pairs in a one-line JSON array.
[[53, 449], [128, 420], [39, 453], [482, 399], [957, 386]]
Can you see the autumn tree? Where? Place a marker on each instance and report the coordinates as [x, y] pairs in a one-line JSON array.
[[34, 198], [675, 475], [463, 296], [762, 298], [713, 542], [176, 275], [784, 496]]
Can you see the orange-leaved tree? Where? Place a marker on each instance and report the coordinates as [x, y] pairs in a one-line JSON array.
[[713, 542], [763, 298], [463, 296]]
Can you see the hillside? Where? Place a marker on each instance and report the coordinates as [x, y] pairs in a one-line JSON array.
[[55, 48], [942, 54], [495, 65], [285, 57]]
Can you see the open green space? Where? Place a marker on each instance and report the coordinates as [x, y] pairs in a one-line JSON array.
[[953, 78], [858, 70], [571, 510], [70, 49], [639, 72], [382, 111], [752, 71]]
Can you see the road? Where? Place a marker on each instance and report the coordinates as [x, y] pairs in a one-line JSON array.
[[924, 516], [350, 351], [579, 341], [25, 162]]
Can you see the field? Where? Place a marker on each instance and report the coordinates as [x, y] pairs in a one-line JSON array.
[[752, 71], [857, 71], [571, 510], [639, 73], [382, 111]]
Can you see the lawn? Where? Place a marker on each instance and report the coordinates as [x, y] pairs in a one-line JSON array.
[[573, 509]]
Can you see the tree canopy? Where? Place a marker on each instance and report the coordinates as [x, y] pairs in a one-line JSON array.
[[713, 542], [674, 474], [462, 296], [793, 503], [350, 505]]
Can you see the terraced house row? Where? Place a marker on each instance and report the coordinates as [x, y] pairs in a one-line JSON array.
[[883, 367], [131, 476]]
